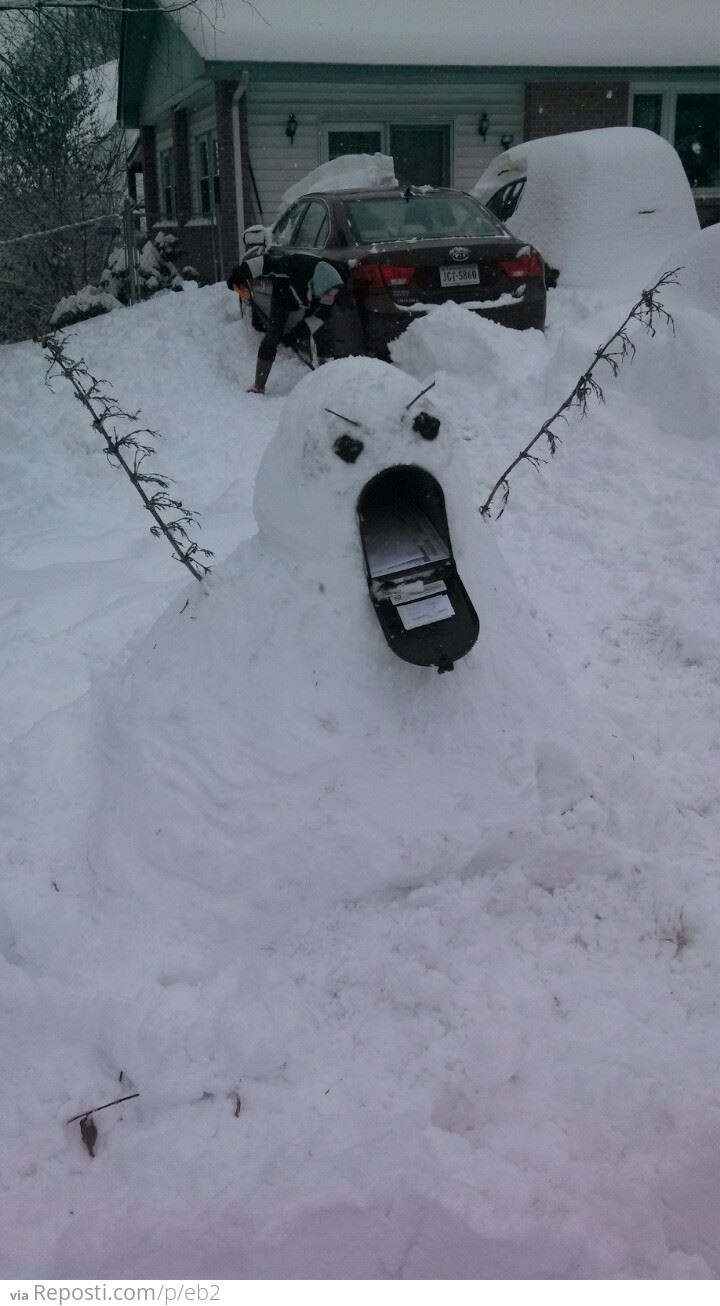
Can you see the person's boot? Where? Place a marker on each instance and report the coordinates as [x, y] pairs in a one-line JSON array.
[[262, 372]]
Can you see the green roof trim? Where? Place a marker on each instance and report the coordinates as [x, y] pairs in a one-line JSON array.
[[158, 66], [137, 34], [220, 70]]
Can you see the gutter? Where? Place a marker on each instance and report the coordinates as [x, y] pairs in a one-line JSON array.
[[237, 157]]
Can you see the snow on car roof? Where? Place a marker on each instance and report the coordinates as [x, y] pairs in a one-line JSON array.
[[460, 32]]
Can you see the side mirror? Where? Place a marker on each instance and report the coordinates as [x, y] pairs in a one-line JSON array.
[[257, 235]]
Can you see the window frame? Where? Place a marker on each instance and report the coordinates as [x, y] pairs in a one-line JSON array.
[[296, 212], [208, 140], [668, 110], [298, 225], [328, 127], [168, 211]]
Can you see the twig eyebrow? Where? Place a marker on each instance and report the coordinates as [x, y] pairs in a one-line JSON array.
[[342, 417], [422, 392]]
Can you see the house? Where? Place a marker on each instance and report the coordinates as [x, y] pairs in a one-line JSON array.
[[235, 100]]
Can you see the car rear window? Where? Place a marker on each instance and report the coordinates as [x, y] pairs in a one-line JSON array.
[[421, 217]]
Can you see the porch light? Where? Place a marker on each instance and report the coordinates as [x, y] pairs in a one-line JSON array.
[[291, 127], [483, 126]]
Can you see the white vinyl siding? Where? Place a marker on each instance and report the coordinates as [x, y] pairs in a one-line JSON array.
[[277, 164]]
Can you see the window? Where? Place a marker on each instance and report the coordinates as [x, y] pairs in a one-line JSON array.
[[422, 217], [313, 230], [647, 112], [421, 154], [208, 174], [283, 229], [697, 137], [505, 201], [690, 118], [167, 184], [352, 138]]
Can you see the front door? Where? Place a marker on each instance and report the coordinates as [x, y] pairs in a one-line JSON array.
[[421, 154]]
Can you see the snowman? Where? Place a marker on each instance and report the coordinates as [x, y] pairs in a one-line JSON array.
[[287, 725]]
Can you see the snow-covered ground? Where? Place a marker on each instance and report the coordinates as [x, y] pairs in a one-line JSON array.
[[450, 940]]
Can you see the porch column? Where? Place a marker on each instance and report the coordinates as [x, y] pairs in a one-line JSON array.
[[250, 217], [148, 157], [227, 218]]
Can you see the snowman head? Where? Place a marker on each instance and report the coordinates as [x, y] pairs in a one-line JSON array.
[[343, 426]]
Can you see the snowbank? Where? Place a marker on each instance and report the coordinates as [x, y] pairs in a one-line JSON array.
[[678, 378], [453, 339], [348, 172], [414, 974], [603, 206], [698, 279]]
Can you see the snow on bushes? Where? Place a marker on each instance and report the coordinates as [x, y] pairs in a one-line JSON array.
[[156, 270], [88, 302]]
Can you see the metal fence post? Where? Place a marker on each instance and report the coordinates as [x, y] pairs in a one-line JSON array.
[[128, 225]]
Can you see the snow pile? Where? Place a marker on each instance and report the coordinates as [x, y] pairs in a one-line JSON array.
[[347, 172], [452, 339], [414, 974], [678, 379], [603, 206], [698, 264]]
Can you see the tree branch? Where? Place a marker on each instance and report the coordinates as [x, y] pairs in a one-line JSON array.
[[127, 452], [83, 1115], [36, 6], [646, 311]]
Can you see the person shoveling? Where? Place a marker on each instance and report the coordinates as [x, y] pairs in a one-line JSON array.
[[303, 300]]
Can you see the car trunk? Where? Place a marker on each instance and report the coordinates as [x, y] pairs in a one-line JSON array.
[[389, 276]]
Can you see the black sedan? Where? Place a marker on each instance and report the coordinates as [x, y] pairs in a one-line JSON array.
[[399, 253]]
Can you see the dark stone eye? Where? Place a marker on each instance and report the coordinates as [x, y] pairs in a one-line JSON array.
[[348, 448], [426, 426]]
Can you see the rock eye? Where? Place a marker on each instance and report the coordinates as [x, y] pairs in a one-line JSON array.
[[348, 448], [427, 426]]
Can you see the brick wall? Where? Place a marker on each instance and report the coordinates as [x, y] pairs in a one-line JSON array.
[[554, 107], [199, 244], [229, 245], [151, 192]]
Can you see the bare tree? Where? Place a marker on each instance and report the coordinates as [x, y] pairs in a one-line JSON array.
[[61, 161]]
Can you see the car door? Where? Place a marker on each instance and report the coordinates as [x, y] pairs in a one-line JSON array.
[[298, 257], [309, 238], [276, 254]]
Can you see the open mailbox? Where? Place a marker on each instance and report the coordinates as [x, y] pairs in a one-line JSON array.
[[420, 601]]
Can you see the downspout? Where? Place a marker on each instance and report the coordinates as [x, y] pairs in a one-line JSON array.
[[237, 158]]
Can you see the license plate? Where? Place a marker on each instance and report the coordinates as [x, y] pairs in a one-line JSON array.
[[468, 276]]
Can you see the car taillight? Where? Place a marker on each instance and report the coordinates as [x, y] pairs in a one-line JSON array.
[[384, 276], [527, 265]]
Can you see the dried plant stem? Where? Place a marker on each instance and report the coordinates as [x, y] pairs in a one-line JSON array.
[[83, 1115], [616, 349], [124, 449]]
